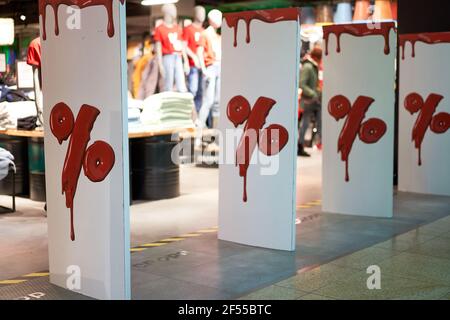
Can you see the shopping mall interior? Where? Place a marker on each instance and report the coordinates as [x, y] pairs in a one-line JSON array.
[[172, 220]]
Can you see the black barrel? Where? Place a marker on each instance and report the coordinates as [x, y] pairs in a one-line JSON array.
[[154, 175], [18, 148], [37, 169]]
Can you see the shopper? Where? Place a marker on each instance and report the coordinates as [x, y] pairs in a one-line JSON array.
[[311, 97], [211, 53]]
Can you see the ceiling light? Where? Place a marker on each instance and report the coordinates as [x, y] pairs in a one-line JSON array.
[[23, 17], [156, 2]]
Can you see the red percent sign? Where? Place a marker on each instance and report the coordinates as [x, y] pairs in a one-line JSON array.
[[97, 160], [369, 132], [438, 123], [270, 141]]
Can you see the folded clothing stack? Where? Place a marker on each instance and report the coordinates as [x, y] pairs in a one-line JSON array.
[[5, 119], [6, 162], [27, 123], [168, 110], [11, 111]]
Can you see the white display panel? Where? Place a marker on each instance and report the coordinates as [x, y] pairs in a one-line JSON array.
[[84, 75], [358, 119], [24, 75], [424, 114], [6, 31], [2, 62], [260, 67]]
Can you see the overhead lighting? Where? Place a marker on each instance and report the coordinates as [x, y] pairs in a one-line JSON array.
[[156, 2], [23, 17]]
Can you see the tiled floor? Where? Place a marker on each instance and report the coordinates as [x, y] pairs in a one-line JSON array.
[[413, 265], [23, 234], [332, 252], [341, 246], [332, 255]]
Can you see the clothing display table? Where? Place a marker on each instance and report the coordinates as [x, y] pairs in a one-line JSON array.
[[153, 174]]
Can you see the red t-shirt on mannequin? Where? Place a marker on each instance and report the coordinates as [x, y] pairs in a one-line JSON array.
[[193, 36], [34, 53], [170, 38]]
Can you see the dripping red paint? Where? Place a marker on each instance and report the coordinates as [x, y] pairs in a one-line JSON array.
[[270, 141], [358, 30], [428, 38], [54, 4], [371, 131], [268, 16], [438, 123], [97, 161]]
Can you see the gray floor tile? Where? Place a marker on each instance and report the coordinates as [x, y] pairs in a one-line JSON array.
[[172, 289], [274, 293], [416, 266], [235, 275], [392, 288]]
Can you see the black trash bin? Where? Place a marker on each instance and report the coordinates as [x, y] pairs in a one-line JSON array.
[[154, 175], [36, 158]]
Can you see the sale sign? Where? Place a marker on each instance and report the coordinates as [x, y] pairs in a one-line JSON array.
[[424, 113], [259, 103], [86, 141], [358, 119]]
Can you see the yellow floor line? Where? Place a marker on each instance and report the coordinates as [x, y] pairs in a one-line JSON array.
[[207, 231], [152, 244], [190, 235], [171, 239], [137, 249], [11, 281], [37, 274]]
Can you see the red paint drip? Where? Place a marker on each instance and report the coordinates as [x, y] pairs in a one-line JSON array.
[[268, 16], [75, 154], [440, 122], [270, 141], [415, 103], [80, 4], [273, 139], [428, 38], [72, 228], [61, 121], [97, 160], [358, 30], [371, 131]]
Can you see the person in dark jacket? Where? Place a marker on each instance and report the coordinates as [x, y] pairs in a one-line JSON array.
[[310, 100]]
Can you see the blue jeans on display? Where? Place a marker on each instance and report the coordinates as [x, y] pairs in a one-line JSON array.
[[174, 73], [195, 86], [211, 93]]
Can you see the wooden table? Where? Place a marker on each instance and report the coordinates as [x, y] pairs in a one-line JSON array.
[[183, 132], [153, 175]]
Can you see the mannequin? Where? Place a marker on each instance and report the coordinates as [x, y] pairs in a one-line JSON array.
[[210, 56], [383, 10], [34, 60], [170, 51], [192, 37]]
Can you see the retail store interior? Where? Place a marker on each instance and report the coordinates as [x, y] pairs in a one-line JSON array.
[[174, 207]]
